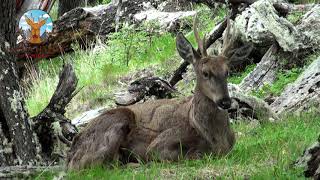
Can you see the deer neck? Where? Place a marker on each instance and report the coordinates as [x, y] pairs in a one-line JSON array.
[[209, 121]]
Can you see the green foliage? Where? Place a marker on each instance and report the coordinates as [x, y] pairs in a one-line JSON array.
[[295, 17], [238, 77], [265, 151], [283, 79], [54, 11], [106, 1], [126, 44]]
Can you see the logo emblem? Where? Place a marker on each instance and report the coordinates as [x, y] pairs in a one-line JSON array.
[[35, 26]]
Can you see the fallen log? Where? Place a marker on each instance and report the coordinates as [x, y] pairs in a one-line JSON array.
[[80, 25], [54, 112], [264, 73], [25, 172], [310, 161], [144, 88]]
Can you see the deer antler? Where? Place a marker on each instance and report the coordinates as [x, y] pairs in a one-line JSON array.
[[201, 42], [228, 40]]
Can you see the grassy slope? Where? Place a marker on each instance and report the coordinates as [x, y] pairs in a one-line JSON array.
[[263, 151]]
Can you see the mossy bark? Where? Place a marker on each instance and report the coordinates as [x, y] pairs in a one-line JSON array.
[[15, 117]]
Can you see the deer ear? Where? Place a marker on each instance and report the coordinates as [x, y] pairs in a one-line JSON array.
[[185, 49]]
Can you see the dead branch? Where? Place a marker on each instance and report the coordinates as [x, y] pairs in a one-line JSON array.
[[80, 25], [55, 110], [144, 87], [17, 172]]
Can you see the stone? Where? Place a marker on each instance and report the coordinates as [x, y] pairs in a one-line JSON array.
[[310, 161], [168, 21], [264, 73], [245, 106], [261, 24]]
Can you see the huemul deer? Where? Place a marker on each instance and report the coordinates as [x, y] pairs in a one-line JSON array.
[[165, 129]]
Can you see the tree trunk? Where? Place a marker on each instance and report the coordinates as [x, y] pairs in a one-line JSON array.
[[67, 5], [11, 99]]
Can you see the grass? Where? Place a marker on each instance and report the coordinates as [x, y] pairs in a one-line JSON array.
[[265, 151], [238, 77], [283, 79], [295, 17]]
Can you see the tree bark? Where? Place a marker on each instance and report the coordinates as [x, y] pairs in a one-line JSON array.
[[11, 98], [68, 5], [80, 25], [54, 112]]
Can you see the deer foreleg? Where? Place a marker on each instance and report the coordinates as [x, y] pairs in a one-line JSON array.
[[167, 146]]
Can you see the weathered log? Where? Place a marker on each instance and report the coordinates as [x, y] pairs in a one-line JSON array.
[[286, 8], [80, 25], [144, 88], [24, 172], [303, 94], [177, 75], [264, 73], [54, 112], [248, 107], [310, 161]]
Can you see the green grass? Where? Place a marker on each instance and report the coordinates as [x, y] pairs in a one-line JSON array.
[[283, 79], [295, 17], [265, 151], [238, 77]]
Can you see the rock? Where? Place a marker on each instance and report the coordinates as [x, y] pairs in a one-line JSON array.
[[310, 161], [310, 29], [174, 5], [144, 88], [303, 93], [262, 25], [168, 21], [264, 73], [245, 106], [87, 116]]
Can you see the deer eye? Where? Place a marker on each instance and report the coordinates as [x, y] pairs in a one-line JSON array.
[[205, 75]]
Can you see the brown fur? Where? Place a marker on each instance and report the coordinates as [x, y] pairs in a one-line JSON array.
[[165, 129]]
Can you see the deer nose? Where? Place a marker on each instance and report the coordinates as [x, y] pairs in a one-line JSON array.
[[225, 103]]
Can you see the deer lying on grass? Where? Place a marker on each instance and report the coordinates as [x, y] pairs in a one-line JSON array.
[[167, 129]]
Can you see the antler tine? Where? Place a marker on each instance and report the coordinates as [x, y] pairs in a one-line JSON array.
[[204, 50], [228, 39], [196, 34]]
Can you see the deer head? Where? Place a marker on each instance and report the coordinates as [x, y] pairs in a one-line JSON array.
[[211, 71]]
